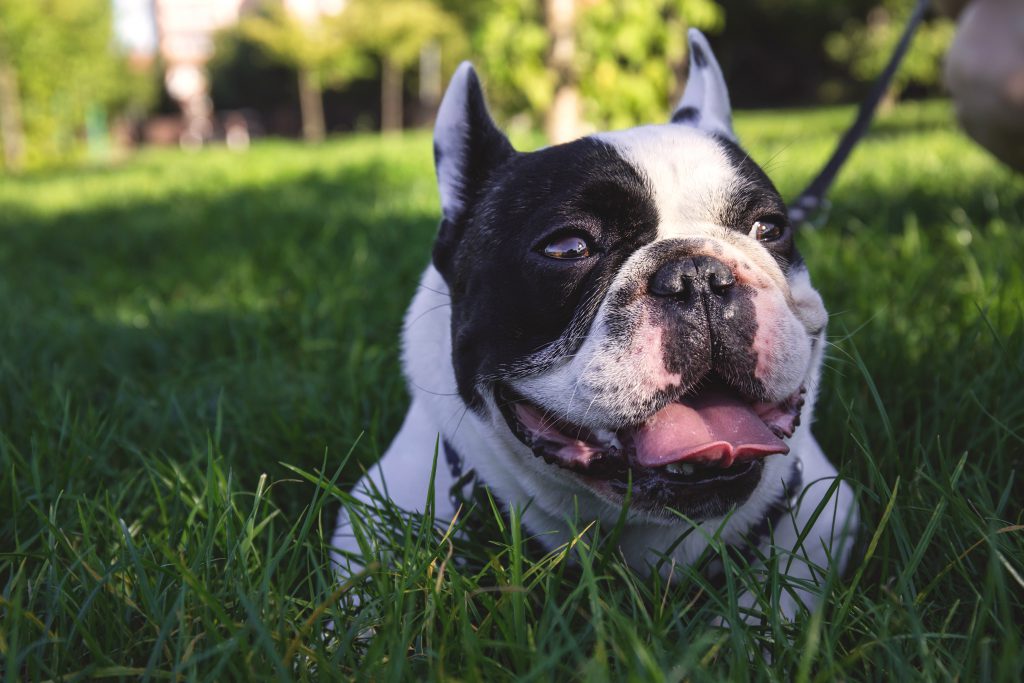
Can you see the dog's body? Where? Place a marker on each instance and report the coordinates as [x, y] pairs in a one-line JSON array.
[[624, 315]]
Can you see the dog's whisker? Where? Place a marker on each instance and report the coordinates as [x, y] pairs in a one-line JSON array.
[[431, 392], [462, 416], [428, 312], [435, 291], [589, 406], [576, 385]]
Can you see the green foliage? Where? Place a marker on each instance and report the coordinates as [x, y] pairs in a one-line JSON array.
[[631, 49], [64, 57], [244, 74], [865, 47], [511, 47], [178, 326], [339, 47], [396, 30], [326, 48], [637, 51]]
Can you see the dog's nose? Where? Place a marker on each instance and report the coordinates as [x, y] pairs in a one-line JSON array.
[[680, 278]]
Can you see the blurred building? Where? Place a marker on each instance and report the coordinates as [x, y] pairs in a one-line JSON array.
[[185, 31]]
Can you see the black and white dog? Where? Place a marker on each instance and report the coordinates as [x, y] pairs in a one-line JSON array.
[[625, 314]]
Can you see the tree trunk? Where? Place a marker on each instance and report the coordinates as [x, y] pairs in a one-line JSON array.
[[390, 97], [12, 135], [563, 120], [311, 102], [431, 86], [680, 65]]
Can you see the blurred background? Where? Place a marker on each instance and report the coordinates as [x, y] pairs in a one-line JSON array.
[[94, 79]]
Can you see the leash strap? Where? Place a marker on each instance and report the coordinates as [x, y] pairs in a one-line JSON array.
[[465, 490], [813, 197]]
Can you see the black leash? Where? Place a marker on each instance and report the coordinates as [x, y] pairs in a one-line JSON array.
[[465, 489], [812, 198]]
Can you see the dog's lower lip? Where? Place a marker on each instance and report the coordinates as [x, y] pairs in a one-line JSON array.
[[578, 449], [701, 479]]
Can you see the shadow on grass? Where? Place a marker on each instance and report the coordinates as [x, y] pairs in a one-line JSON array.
[[131, 328]]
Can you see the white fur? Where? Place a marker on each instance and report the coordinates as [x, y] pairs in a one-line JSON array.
[[706, 91], [689, 173]]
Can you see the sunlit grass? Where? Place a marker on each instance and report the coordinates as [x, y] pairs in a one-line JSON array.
[[189, 339]]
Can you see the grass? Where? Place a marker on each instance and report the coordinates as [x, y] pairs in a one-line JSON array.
[[199, 353]]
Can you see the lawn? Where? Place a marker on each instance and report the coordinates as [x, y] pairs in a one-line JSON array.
[[199, 355]]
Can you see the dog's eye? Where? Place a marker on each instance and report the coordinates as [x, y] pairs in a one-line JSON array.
[[567, 247], [768, 229]]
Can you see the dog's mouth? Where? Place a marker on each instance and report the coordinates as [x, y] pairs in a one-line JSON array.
[[706, 447]]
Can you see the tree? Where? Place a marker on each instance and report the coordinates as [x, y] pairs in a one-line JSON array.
[[512, 43], [12, 135], [864, 47], [637, 51], [56, 64], [323, 51], [627, 58], [562, 122], [396, 32]]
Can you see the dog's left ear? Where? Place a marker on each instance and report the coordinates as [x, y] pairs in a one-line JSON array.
[[467, 149], [705, 100], [467, 144]]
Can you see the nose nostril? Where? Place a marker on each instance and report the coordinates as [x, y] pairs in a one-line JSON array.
[[678, 279], [721, 278], [689, 269], [674, 279]]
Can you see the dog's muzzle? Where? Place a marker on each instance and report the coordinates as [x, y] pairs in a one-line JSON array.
[[697, 454]]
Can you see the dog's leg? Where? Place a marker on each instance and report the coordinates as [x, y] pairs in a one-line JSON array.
[[402, 475], [809, 541]]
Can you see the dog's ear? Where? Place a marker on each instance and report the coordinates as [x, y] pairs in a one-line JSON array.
[[705, 100], [467, 148], [467, 144]]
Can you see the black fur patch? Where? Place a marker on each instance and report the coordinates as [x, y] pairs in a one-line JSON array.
[[690, 115], [700, 60], [483, 149], [757, 199], [509, 301]]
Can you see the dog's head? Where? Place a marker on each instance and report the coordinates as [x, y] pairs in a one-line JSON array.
[[629, 312]]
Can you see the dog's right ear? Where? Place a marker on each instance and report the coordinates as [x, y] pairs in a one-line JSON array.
[[467, 148], [705, 102]]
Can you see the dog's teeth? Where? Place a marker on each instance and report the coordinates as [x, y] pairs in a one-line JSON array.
[[683, 468], [606, 436]]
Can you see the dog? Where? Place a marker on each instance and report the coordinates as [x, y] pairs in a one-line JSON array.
[[619, 321]]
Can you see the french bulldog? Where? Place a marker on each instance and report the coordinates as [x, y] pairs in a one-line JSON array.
[[619, 321]]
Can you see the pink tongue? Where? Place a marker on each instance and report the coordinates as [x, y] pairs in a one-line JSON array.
[[716, 428]]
